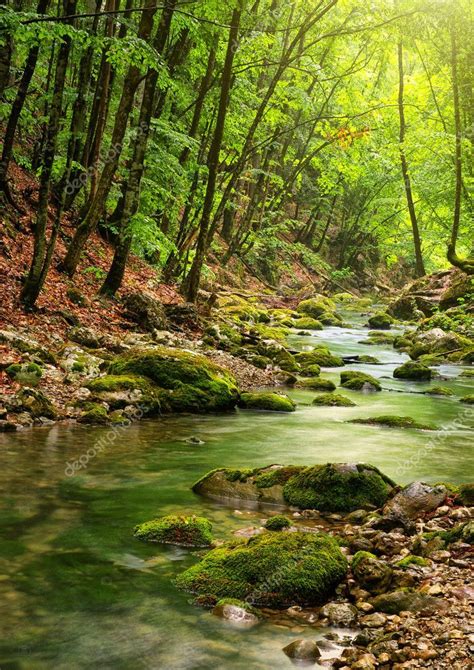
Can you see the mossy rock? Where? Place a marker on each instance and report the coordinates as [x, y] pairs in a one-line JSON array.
[[118, 391], [407, 600], [359, 381], [36, 403], [412, 560], [468, 399], [277, 522], [333, 400], [402, 343], [273, 570], [272, 402], [27, 374], [331, 319], [94, 414], [370, 360], [466, 494], [269, 332], [466, 374], [307, 323], [320, 356], [381, 321], [316, 306], [76, 297], [338, 487], [371, 573], [185, 531], [394, 422], [316, 384], [193, 382], [413, 370], [439, 390]]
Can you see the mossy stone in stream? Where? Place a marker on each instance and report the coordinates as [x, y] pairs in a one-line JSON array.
[[439, 390], [307, 323], [278, 522], [317, 384], [94, 414], [314, 307], [394, 422], [139, 390], [338, 487], [331, 319], [358, 381], [466, 373], [413, 370], [380, 321], [186, 531], [319, 356], [273, 569], [193, 382], [333, 400], [371, 360], [468, 399], [466, 494], [272, 402]]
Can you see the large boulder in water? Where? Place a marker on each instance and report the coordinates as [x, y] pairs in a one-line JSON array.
[[191, 382], [273, 570], [334, 487]]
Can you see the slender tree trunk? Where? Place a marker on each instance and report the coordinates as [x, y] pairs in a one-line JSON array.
[[42, 252], [419, 265], [88, 225], [193, 279], [132, 194]]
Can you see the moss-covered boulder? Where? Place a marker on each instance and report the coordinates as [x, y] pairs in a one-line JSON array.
[[331, 319], [265, 400], [320, 356], [466, 494], [307, 323], [372, 574], [317, 384], [27, 374], [332, 400], [186, 531], [94, 414], [413, 370], [316, 306], [394, 422], [408, 600], [468, 399], [36, 403], [439, 390], [273, 569], [277, 522], [359, 381], [120, 391], [192, 382], [380, 321], [338, 487]]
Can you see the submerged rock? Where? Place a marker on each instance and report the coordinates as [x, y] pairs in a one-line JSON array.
[[273, 569], [186, 531], [237, 612], [413, 370], [305, 651], [394, 422], [272, 402]]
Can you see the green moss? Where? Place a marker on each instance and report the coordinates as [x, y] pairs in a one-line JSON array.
[[314, 307], [187, 531], [277, 522], [468, 399], [153, 399], [267, 332], [463, 532], [36, 403], [381, 321], [394, 422], [193, 382], [466, 494], [439, 390], [330, 319], [317, 384], [401, 342], [272, 569], [307, 323], [78, 367], [313, 370], [356, 381], [319, 356], [333, 400], [239, 603], [413, 370], [412, 560], [94, 413], [28, 374], [467, 373], [273, 402], [337, 487], [276, 476], [371, 360], [361, 556], [234, 475]]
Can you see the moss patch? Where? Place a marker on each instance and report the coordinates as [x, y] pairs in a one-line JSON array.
[[414, 371], [468, 399], [357, 381], [439, 390], [412, 560], [94, 414], [394, 422], [278, 522], [272, 402], [270, 570], [320, 356], [338, 487], [28, 374], [317, 384], [307, 323], [314, 307], [186, 531], [380, 321], [333, 400]]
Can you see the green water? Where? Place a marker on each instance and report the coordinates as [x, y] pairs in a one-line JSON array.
[[77, 591]]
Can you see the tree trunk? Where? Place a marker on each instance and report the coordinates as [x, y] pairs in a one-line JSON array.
[[194, 276], [419, 265]]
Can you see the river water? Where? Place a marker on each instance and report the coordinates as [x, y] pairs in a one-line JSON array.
[[78, 591]]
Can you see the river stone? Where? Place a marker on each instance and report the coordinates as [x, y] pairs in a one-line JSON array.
[[303, 650], [406, 600], [371, 573], [339, 614], [410, 503], [235, 614]]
